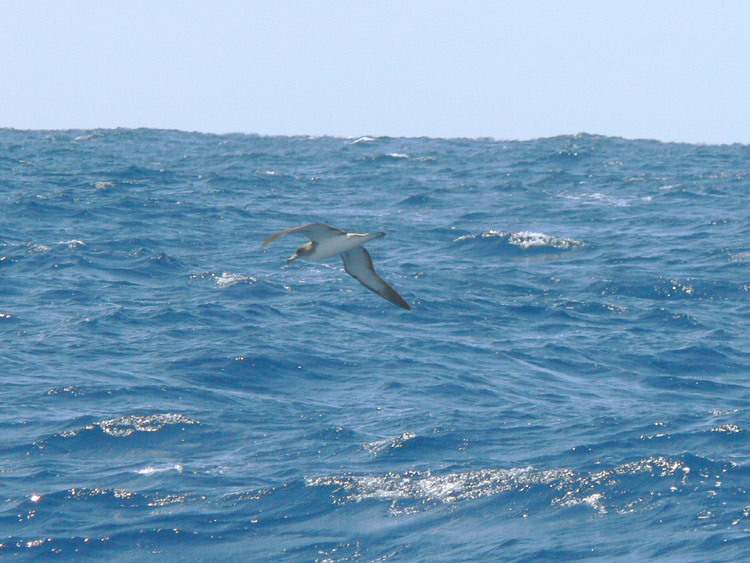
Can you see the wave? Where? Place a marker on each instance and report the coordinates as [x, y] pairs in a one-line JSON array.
[[229, 279], [151, 469], [389, 443], [125, 426], [598, 198], [415, 491], [584, 305], [361, 140], [518, 244]]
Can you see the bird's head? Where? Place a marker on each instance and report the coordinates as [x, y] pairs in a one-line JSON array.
[[302, 251]]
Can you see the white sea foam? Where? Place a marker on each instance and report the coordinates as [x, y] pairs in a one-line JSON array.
[[398, 442], [227, 279], [487, 234], [362, 140], [73, 243], [150, 470], [423, 487], [594, 500], [597, 198], [527, 239], [128, 425], [449, 488], [728, 429], [167, 500]]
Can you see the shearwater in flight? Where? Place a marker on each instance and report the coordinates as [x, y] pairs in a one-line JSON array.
[[327, 241]]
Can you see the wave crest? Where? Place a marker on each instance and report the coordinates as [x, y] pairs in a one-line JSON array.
[[413, 491], [522, 243]]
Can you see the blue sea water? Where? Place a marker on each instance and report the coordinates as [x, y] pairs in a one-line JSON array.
[[572, 383]]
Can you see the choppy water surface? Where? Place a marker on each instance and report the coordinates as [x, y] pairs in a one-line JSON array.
[[572, 382]]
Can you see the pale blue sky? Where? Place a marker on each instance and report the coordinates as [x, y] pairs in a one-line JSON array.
[[509, 70]]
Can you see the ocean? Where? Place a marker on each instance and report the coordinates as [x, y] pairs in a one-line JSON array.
[[572, 383]]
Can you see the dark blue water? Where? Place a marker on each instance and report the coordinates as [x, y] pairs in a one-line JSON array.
[[573, 381]]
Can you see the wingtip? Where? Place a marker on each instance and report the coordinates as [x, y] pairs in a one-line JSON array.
[[401, 302]]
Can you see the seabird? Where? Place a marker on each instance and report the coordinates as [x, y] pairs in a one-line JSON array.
[[327, 241]]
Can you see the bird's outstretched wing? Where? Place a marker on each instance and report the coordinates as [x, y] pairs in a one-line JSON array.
[[313, 231], [358, 264]]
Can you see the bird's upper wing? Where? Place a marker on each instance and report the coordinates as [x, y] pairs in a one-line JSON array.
[[358, 264], [313, 231]]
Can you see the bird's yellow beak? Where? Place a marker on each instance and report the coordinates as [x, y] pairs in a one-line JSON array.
[[292, 258]]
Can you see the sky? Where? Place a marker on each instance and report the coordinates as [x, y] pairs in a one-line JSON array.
[[667, 70]]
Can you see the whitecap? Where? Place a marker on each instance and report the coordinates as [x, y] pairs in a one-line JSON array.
[[728, 429], [73, 243], [528, 239], [594, 500], [598, 197], [168, 499], [410, 489], [227, 279], [398, 442], [150, 470], [398, 155], [487, 234], [449, 488], [362, 140], [127, 425]]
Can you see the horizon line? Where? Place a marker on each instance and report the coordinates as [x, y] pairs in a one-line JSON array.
[[372, 136]]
